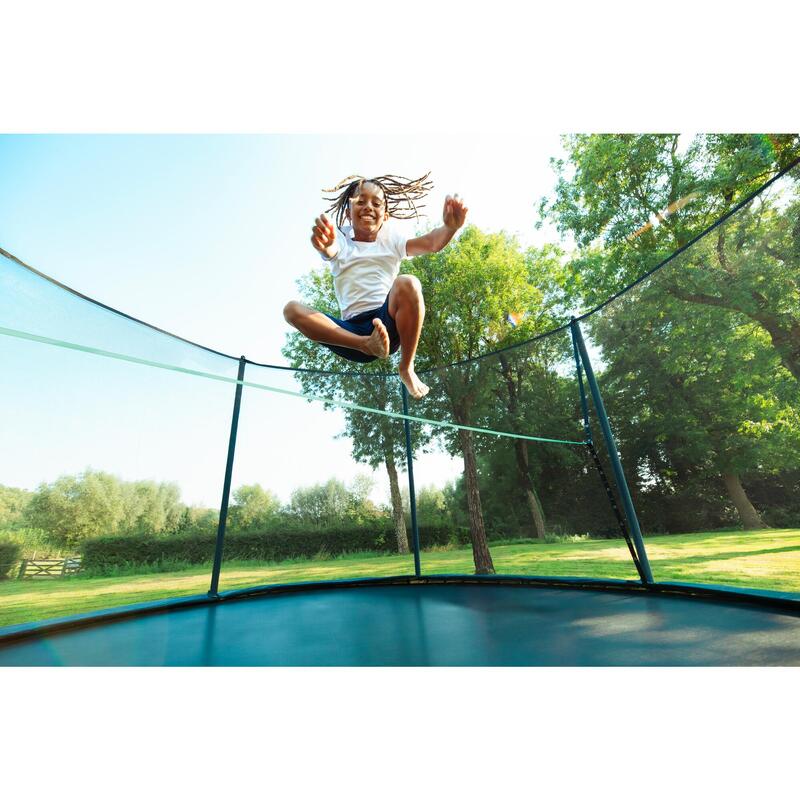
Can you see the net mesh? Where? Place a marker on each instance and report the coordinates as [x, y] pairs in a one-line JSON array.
[[698, 365], [124, 431]]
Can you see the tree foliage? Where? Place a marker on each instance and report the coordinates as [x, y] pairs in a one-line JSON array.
[[375, 439], [630, 201], [695, 398], [253, 507], [78, 507], [699, 366], [470, 289], [702, 360], [331, 503], [12, 507]]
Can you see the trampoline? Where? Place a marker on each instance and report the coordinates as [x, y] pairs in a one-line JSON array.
[[539, 393], [492, 623]]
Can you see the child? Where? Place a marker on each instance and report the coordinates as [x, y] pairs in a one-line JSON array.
[[381, 310]]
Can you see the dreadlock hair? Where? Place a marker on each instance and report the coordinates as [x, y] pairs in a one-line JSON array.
[[400, 195]]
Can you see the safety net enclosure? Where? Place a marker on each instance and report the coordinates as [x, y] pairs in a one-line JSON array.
[[701, 375], [599, 453], [524, 439], [102, 421]]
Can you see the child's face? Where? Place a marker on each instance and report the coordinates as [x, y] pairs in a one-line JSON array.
[[367, 210]]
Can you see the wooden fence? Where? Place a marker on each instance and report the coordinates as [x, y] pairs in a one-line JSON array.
[[49, 567]]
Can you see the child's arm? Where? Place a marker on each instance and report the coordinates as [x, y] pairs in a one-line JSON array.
[[323, 237], [453, 216]]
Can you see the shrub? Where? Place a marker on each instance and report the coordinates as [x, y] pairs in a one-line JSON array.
[[9, 555], [104, 553], [110, 553], [35, 540], [442, 535]]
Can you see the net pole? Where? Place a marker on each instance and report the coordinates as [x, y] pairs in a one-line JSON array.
[[587, 429], [613, 454], [226, 487], [412, 497]]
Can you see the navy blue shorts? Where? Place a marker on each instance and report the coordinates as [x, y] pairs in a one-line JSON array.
[[362, 325]]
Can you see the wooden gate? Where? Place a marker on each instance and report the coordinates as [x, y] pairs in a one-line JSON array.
[[49, 567]]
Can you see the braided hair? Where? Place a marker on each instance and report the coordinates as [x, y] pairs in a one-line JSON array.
[[400, 195]]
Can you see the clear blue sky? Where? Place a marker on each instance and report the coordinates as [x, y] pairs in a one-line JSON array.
[[204, 236]]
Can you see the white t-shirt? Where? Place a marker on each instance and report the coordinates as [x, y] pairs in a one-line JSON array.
[[363, 272]]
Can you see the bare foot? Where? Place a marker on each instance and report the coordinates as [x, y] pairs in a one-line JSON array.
[[416, 388], [377, 343]]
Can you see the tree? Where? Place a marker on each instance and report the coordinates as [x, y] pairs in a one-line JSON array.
[[751, 266], [470, 287], [699, 395], [198, 520], [515, 389], [75, 508], [332, 503], [253, 507], [645, 196], [375, 439], [151, 507], [526, 376], [431, 504], [78, 507], [378, 439], [12, 506], [439, 506]]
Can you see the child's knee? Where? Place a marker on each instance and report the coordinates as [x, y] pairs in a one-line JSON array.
[[292, 311], [409, 286]]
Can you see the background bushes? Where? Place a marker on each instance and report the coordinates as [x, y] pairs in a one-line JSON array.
[[9, 555], [106, 553]]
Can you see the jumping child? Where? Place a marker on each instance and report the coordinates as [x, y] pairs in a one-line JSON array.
[[382, 311]]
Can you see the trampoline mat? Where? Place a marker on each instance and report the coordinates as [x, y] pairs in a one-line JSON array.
[[431, 625]]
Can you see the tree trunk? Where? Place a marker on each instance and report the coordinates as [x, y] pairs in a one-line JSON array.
[[747, 514], [521, 451], [480, 548], [783, 330], [525, 482], [785, 335], [397, 506]]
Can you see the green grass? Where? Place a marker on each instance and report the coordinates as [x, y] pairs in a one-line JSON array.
[[757, 560]]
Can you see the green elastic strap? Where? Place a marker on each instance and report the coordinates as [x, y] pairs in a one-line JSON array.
[[32, 337]]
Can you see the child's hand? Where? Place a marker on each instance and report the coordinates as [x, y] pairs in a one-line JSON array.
[[455, 212], [323, 236]]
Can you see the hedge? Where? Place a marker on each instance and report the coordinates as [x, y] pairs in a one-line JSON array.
[[9, 556], [104, 552]]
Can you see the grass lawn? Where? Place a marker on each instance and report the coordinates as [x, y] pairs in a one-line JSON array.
[[753, 559]]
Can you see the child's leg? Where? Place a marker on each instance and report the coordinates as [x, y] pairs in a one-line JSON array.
[[407, 308], [316, 326]]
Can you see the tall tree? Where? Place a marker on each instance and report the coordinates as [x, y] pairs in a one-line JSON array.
[[375, 439], [645, 196], [94, 503], [380, 440], [525, 383], [469, 289], [704, 389]]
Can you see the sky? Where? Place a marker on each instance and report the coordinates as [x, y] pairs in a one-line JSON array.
[[204, 236]]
